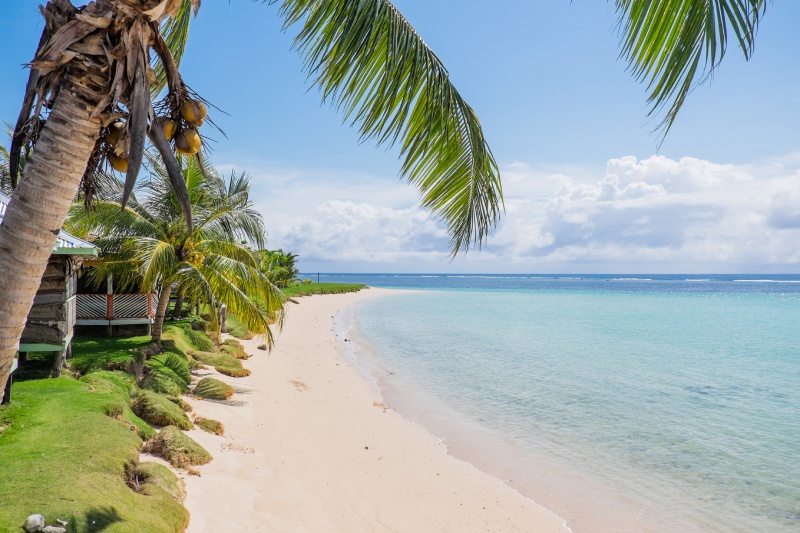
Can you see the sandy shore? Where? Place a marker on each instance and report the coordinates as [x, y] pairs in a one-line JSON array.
[[308, 446]]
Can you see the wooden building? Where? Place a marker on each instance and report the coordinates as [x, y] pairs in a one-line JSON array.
[[51, 321]]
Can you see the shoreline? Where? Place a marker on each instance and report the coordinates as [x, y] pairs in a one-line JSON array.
[[310, 446], [585, 502]]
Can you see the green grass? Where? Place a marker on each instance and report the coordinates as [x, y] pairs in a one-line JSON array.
[[233, 351], [178, 448], [122, 384], [186, 338], [158, 410], [213, 389], [236, 328], [210, 425], [64, 457], [224, 363], [150, 473], [306, 289], [105, 353]]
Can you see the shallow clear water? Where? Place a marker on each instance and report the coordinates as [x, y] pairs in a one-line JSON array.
[[684, 394]]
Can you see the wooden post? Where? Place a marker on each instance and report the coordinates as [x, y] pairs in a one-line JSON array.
[[58, 364], [109, 305], [7, 392], [223, 318]]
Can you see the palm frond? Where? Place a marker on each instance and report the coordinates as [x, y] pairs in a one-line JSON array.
[[172, 367], [158, 260], [676, 45], [246, 292], [373, 66]]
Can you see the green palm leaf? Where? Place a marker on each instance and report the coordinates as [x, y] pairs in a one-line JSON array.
[[374, 67], [669, 43], [171, 366]]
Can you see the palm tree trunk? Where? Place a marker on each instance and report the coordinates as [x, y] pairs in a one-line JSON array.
[[41, 202], [161, 312], [177, 312]]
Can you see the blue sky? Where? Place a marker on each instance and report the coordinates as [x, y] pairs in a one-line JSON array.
[[587, 187]]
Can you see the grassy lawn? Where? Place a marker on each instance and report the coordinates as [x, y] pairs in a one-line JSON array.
[[69, 448], [305, 289], [64, 456]]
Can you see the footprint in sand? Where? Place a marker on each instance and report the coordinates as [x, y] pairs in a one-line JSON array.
[[299, 385]]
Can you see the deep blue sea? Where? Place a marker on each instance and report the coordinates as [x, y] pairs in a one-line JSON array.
[[680, 393]]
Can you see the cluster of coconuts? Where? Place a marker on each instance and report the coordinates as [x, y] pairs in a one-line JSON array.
[[183, 131]]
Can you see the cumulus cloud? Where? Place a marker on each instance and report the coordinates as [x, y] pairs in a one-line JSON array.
[[659, 210], [655, 214], [349, 231]]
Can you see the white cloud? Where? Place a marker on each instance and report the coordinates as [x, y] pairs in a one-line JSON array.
[[654, 215]]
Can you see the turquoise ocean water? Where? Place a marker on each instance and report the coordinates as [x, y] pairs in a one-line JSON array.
[[680, 392]]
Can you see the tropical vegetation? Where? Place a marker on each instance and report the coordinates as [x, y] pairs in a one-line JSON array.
[[89, 103], [149, 244], [279, 267]]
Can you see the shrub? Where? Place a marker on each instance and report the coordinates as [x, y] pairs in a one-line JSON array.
[[210, 425], [177, 448], [158, 410], [213, 389]]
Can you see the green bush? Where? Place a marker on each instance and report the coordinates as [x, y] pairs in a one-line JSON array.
[[158, 410], [213, 389], [177, 448]]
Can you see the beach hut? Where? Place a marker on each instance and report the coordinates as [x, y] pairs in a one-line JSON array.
[[51, 321]]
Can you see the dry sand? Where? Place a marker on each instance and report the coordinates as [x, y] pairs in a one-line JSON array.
[[308, 446]]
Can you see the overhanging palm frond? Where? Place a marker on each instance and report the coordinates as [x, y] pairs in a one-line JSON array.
[[374, 67], [665, 43]]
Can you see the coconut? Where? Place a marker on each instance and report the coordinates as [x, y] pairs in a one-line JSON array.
[[120, 164], [115, 131], [168, 126], [188, 142], [152, 77], [194, 112]]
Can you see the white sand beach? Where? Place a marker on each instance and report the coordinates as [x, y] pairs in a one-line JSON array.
[[308, 446]]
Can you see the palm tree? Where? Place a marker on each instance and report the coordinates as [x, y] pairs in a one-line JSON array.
[[90, 76], [279, 267], [148, 244]]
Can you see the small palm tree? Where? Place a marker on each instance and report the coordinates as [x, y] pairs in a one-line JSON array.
[[279, 267], [149, 245]]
